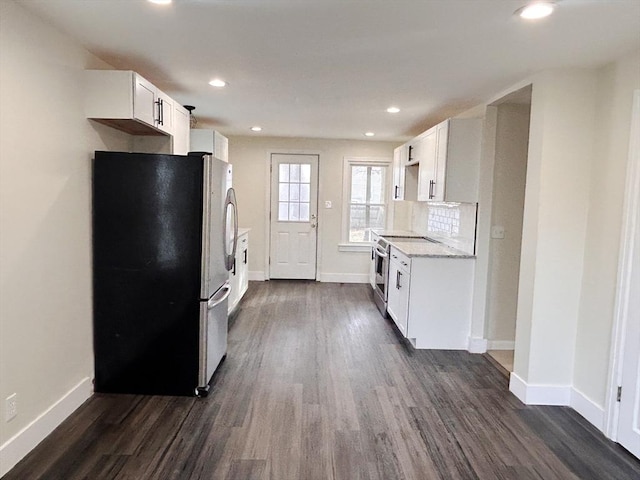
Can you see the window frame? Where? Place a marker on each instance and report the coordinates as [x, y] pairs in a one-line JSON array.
[[348, 163]]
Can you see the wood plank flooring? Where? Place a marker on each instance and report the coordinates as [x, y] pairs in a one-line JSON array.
[[317, 386]]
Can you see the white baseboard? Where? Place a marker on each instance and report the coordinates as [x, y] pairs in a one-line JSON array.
[[588, 409], [539, 394], [477, 345], [501, 345], [344, 277], [257, 276], [18, 446]]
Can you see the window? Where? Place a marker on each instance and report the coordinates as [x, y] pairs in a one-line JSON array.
[[366, 187]]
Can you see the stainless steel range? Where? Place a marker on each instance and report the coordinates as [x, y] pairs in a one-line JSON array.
[[380, 274]]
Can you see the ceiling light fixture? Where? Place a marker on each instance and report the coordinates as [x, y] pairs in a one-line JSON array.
[[369, 134], [160, 2], [393, 110], [536, 10], [256, 129], [216, 82]]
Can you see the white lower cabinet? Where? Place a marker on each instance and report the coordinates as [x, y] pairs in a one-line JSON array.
[[239, 274], [430, 299], [399, 284]]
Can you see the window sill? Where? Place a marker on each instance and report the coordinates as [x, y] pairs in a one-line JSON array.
[[354, 247]]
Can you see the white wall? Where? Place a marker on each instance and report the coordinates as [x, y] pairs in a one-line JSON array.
[[615, 92], [250, 159], [563, 121], [510, 167], [45, 223]]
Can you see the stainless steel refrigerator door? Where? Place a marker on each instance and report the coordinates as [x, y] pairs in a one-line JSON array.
[[213, 335], [214, 270]]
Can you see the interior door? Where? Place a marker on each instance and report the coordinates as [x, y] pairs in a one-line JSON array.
[[629, 419], [294, 213], [629, 413]]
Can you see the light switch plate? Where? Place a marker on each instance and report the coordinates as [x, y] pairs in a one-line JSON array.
[[327, 204], [497, 231]]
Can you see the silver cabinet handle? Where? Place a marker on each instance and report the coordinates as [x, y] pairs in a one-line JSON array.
[[219, 297]]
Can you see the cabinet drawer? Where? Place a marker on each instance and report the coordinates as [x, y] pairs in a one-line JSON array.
[[403, 261]]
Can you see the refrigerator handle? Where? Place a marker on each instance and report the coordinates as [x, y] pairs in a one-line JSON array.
[[220, 296], [231, 201]]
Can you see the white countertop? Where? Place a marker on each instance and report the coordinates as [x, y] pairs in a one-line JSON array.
[[397, 233], [242, 231], [424, 248]]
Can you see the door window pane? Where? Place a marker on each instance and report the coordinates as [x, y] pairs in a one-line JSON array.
[[305, 173], [284, 192], [284, 172], [294, 175], [305, 192], [294, 212], [283, 211], [294, 192], [304, 212]]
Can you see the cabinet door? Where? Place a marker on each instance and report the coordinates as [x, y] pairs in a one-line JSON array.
[[398, 298], [164, 112], [398, 173], [144, 106], [428, 150], [181, 130], [243, 282], [442, 142]]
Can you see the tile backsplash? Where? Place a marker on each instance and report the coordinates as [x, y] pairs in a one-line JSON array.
[[453, 224]]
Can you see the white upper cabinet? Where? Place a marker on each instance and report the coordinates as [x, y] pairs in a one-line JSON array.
[[206, 140], [399, 161], [125, 100], [144, 100], [427, 151], [164, 112], [458, 160], [447, 159], [181, 131]]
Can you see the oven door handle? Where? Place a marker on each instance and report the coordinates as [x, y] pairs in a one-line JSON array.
[[381, 253]]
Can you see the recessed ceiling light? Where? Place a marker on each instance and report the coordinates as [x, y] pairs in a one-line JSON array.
[[536, 10], [393, 109], [161, 2], [256, 129], [216, 82], [369, 134]]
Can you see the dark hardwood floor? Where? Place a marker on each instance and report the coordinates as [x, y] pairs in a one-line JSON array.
[[316, 386]]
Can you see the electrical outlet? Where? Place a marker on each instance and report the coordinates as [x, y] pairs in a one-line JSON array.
[[497, 231], [11, 407], [327, 204]]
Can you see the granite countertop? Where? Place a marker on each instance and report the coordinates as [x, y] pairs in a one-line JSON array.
[[425, 248], [397, 233]]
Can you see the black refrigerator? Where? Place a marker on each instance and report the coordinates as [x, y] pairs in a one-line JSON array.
[[164, 238]]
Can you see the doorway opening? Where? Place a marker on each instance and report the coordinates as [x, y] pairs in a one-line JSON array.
[[507, 210]]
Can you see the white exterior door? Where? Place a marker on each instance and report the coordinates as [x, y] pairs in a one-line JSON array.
[[294, 213]]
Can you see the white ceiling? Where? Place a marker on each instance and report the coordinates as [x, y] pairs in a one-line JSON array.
[[330, 68]]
